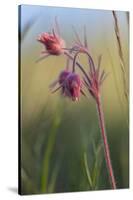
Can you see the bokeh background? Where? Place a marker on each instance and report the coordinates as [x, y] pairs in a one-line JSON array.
[[61, 146]]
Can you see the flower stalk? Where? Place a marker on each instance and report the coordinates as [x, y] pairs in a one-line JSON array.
[[93, 84], [105, 142]]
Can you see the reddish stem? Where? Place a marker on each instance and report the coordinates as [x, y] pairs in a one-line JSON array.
[[105, 142], [101, 121]]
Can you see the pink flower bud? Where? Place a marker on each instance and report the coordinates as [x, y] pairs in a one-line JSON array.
[[52, 42]]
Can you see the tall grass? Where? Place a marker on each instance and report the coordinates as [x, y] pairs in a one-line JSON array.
[[120, 52], [47, 156]]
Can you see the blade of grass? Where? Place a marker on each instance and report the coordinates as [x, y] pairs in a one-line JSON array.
[[97, 163], [51, 186], [121, 103], [87, 171], [48, 153], [120, 52]]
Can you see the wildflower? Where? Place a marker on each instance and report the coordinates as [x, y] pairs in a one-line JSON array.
[[72, 86], [63, 75], [60, 81], [52, 42]]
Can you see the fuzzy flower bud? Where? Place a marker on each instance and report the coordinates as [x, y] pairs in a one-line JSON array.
[[63, 75], [52, 42], [72, 86]]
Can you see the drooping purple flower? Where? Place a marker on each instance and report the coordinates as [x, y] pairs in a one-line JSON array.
[[63, 75], [72, 86], [60, 81]]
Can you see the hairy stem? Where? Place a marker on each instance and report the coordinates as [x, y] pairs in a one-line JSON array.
[[105, 142], [101, 119]]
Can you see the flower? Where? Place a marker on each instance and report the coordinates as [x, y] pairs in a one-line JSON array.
[[60, 81], [72, 86], [53, 43], [62, 78], [63, 75]]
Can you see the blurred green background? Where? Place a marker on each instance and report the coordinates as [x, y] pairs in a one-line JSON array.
[[61, 146]]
